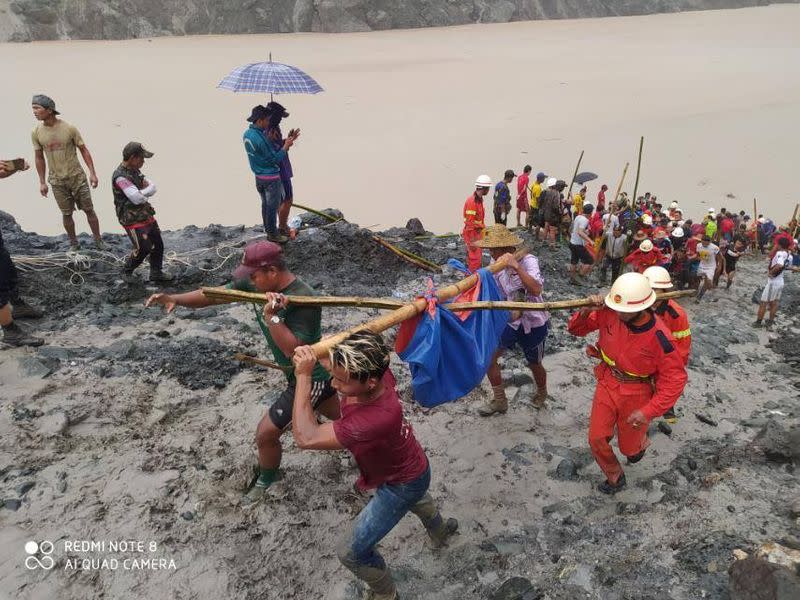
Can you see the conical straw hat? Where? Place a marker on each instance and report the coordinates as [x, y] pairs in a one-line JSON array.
[[498, 236]]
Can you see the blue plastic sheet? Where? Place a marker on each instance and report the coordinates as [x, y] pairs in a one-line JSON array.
[[448, 356]]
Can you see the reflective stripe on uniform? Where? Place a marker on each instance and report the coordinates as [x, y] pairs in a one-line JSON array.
[[611, 363], [470, 212], [679, 335]]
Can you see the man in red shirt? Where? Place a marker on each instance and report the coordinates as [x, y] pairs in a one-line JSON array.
[[601, 198], [390, 459], [639, 377], [522, 195], [474, 222]]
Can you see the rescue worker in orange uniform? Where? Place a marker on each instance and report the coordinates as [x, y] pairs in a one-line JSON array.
[[674, 317], [646, 255], [640, 374], [473, 222]]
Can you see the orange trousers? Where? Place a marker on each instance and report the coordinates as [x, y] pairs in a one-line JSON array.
[[474, 254], [612, 404]]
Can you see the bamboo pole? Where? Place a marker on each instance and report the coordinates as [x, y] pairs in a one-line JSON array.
[[621, 180], [260, 362], [755, 222], [574, 175], [410, 257], [634, 199], [226, 295], [557, 305], [410, 310]]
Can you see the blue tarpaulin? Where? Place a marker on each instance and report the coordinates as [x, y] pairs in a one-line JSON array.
[[449, 355]]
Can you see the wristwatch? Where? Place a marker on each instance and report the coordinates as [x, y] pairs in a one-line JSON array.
[[275, 320]]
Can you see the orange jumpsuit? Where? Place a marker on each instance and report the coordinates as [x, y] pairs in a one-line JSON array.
[[473, 230], [674, 317], [640, 370]]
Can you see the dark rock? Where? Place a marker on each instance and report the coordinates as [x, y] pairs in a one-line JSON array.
[[664, 428], [756, 579], [31, 366], [24, 488], [12, 504], [163, 333], [516, 588], [188, 515], [778, 443], [61, 486], [705, 419], [565, 471], [691, 463], [515, 454], [558, 507], [55, 352], [415, 226]]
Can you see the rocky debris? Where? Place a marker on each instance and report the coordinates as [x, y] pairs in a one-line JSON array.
[[566, 470], [12, 504], [97, 19], [31, 366], [757, 579], [517, 588], [778, 444]]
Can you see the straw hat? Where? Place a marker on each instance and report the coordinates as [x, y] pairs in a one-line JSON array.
[[498, 236], [640, 235]]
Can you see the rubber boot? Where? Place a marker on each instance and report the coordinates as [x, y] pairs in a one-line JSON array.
[[498, 405], [22, 310], [380, 582], [439, 529], [13, 335]]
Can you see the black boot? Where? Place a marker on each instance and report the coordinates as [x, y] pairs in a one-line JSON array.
[[13, 335], [22, 310]]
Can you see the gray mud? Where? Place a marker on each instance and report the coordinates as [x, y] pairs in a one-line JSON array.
[[135, 424]]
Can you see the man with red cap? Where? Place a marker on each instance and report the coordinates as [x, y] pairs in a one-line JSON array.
[[285, 327], [639, 377], [474, 222]]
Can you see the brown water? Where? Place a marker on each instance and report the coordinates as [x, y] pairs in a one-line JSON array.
[[410, 118]]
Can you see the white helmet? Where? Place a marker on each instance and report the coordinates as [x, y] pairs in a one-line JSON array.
[[630, 293], [646, 246], [711, 211], [659, 277], [677, 232], [483, 181], [552, 181], [674, 204], [647, 220]]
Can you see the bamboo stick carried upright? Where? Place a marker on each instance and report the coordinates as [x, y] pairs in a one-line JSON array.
[[621, 180], [574, 175], [638, 170]]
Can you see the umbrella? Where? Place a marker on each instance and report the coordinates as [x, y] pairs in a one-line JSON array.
[[582, 178], [270, 78]]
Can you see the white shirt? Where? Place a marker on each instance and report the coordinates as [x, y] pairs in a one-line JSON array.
[[580, 223], [780, 258], [708, 256]]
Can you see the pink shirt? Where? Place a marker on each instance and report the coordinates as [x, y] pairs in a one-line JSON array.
[[510, 284]]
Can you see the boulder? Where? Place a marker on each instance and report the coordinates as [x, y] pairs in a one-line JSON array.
[[757, 579]]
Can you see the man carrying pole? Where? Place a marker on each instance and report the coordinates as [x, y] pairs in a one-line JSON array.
[[285, 327], [639, 377], [382, 442], [522, 281]]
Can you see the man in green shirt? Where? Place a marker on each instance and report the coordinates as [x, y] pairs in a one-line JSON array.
[[285, 327]]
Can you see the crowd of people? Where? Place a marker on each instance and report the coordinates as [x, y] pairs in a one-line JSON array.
[[642, 348]]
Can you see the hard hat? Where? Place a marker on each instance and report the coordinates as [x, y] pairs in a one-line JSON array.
[[711, 210], [483, 181], [630, 293], [646, 246], [551, 182], [647, 219], [677, 232], [659, 277], [674, 204]]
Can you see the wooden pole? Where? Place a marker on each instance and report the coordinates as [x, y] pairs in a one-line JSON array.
[[638, 169], [574, 175], [621, 180], [559, 305], [755, 223], [225, 295]]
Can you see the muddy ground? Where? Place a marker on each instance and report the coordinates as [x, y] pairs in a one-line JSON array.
[[135, 425]]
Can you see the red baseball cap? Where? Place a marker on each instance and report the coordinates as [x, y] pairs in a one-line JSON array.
[[258, 255]]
